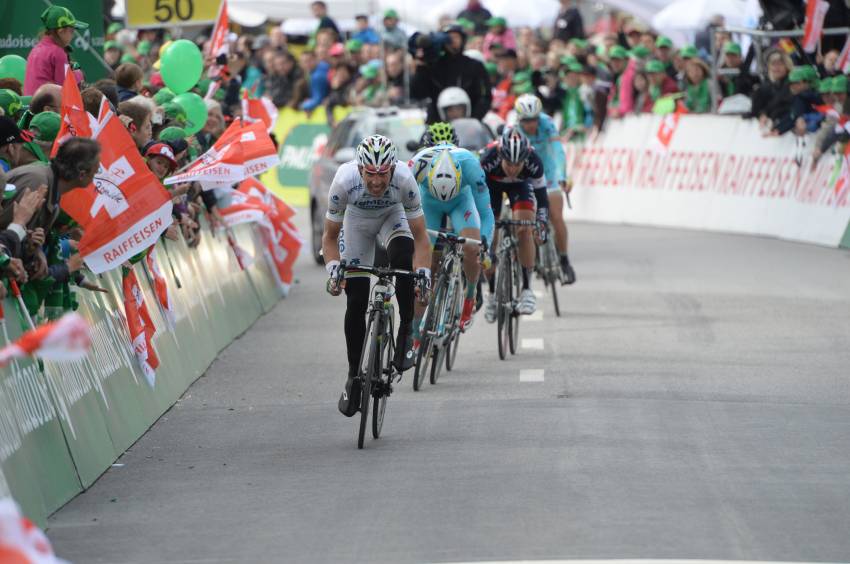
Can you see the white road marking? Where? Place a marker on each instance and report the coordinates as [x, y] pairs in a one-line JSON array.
[[531, 375], [536, 316], [533, 344]]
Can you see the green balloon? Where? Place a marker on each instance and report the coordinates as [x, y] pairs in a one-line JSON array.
[[13, 66], [196, 111], [181, 65]]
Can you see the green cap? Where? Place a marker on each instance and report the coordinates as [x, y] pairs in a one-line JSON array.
[[111, 44], [618, 52], [46, 126], [391, 14], [639, 52], [663, 42], [568, 60], [128, 58], [798, 74], [732, 48], [172, 133], [144, 47], [465, 23], [497, 21], [839, 84], [578, 42], [113, 28], [655, 66], [176, 112], [56, 17], [492, 68], [825, 86], [688, 52], [26, 101], [811, 73], [353, 45], [574, 67], [10, 102], [368, 71], [163, 96]]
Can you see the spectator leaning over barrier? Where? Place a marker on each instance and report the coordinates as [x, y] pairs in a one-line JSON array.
[[393, 36], [50, 57], [772, 99], [802, 116], [617, 57], [741, 83], [697, 90], [572, 106]]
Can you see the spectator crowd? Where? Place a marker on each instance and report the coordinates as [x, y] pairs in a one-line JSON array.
[[583, 78]]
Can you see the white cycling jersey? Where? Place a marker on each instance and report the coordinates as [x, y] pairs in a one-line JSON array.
[[348, 194]]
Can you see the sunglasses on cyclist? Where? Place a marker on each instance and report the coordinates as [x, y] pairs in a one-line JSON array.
[[376, 171]]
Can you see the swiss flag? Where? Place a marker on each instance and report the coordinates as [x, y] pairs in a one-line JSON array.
[[125, 209], [243, 150], [218, 41], [21, 542], [140, 325], [259, 109], [843, 62], [163, 295], [668, 126], [65, 339], [76, 122], [815, 14]]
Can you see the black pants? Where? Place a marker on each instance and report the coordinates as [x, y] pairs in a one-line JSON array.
[[400, 256]]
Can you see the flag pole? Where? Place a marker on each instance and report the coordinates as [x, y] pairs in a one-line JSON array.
[[17, 292]]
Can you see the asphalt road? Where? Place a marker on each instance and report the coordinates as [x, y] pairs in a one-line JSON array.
[[694, 403]]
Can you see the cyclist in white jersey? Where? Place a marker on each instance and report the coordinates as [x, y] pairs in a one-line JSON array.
[[374, 198]]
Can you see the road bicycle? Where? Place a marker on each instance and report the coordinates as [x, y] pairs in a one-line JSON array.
[[440, 332], [508, 284], [376, 372]]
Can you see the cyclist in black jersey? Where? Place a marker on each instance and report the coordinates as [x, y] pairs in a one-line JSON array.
[[513, 168]]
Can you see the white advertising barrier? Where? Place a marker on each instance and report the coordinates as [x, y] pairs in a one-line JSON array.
[[718, 174]]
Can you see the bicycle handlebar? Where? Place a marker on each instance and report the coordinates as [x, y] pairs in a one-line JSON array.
[[379, 271], [451, 237]]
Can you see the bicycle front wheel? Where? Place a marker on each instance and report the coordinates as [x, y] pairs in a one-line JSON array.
[[553, 273], [503, 303], [457, 312], [379, 405], [513, 319], [367, 373], [423, 355]]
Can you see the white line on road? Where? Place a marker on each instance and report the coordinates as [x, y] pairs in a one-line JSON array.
[[533, 344], [531, 375]]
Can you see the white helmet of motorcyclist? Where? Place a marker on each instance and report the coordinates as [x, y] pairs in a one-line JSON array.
[[449, 99]]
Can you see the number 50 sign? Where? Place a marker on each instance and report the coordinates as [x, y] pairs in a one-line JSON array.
[[167, 13]]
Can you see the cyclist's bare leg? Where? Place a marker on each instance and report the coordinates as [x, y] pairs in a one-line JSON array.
[[556, 216], [525, 235], [470, 260]]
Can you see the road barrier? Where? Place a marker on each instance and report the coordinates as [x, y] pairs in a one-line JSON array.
[[63, 425], [718, 173]]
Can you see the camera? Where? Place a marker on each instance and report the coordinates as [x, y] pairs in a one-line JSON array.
[[427, 47]]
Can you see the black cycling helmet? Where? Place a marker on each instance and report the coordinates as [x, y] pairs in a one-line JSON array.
[[439, 133], [513, 146]]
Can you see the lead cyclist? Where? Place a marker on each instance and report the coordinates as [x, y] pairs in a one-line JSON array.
[[541, 132]]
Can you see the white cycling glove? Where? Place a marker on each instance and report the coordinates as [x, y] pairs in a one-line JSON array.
[[332, 267]]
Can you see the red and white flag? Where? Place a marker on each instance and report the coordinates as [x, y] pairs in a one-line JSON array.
[[259, 109], [843, 62], [160, 284], [125, 209], [140, 325], [243, 257], [76, 122], [245, 209], [63, 340], [21, 542], [218, 41], [242, 151], [668, 126], [815, 14]]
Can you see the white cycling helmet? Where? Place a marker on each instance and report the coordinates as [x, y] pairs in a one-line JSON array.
[[453, 96], [444, 177], [376, 153], [528, 106]]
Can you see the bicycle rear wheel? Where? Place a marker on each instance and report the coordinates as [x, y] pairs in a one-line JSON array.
[[553, 271], [503, 302], [516, 285]]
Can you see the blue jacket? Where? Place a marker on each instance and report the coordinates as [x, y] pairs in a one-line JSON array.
[[547, 144], [319, 86], [368, 35]]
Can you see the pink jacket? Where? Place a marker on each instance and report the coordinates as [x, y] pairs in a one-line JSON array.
[[627, 79], [506, 40], [46, 63]]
